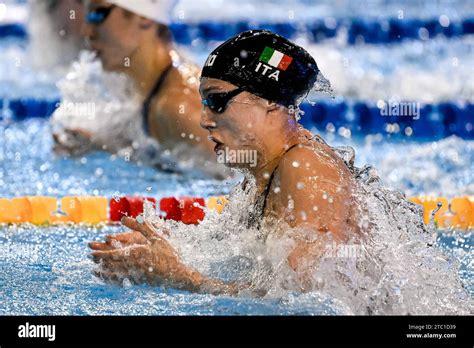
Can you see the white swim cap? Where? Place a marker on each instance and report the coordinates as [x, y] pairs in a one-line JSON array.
[[158, 10]]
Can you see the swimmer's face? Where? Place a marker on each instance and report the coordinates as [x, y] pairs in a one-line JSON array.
[[240, 127], [117, 38], [68, 17]]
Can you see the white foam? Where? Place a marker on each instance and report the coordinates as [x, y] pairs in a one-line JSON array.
[[430, 72], [398, 270]]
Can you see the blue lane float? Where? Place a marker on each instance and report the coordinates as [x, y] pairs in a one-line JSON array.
[[372, 31], [26, 108], [360, 118], [17, 31]]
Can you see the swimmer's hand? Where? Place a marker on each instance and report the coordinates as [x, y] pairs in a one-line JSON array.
[[72, 142], [118, 241], [152, 260]]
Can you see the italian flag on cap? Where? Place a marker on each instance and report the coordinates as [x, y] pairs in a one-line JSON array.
[[275, 58]]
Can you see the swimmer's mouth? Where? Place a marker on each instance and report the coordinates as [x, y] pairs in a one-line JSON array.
[[96, 51], [218, 143]]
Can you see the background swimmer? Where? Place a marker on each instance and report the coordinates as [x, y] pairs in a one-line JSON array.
[[133, 38], [55, 29], [299, 180]]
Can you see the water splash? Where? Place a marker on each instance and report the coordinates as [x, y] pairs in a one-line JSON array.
[[435, 168], [426, 72], [323, 85], [396, 268]]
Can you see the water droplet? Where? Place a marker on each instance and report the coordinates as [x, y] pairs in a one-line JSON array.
[[330, 128], [423, 34], [291, 204], [444, 21], [304, 217], [99, 172]]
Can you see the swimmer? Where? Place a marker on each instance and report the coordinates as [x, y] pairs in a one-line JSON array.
[[132, 37], [55, 31], [300, 180]]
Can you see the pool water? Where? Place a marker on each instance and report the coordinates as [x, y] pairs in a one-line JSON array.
[[47, 270]]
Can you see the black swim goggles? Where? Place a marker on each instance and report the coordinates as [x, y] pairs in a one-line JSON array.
[[218, 102], [98, 15]]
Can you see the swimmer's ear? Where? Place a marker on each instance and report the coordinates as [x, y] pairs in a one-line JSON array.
[[271, 106], [145, 23]]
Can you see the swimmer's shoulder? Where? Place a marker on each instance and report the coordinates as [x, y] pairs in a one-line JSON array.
[[310, 158], [306, 178], [180, 91], [306, 169]]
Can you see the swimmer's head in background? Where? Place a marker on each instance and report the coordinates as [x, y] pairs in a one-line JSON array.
[[265, 64], [156, 10]]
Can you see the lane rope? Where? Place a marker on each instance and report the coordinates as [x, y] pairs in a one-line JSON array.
[[456, 212]]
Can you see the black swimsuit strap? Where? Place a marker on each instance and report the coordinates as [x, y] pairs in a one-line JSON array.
[[269, 185], [256, 217], [146, 104]]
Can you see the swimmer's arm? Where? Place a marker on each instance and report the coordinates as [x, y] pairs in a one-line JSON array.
[[313, 192], [168, 266], [206, 285], [314, 198], [156, 265]]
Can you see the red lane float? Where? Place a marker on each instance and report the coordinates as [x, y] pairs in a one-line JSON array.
[[128, 206], [187, 210], [171, 209], [192, 212]]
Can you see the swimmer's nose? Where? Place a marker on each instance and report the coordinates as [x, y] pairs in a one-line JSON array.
[[206, 121], [87, 30]]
